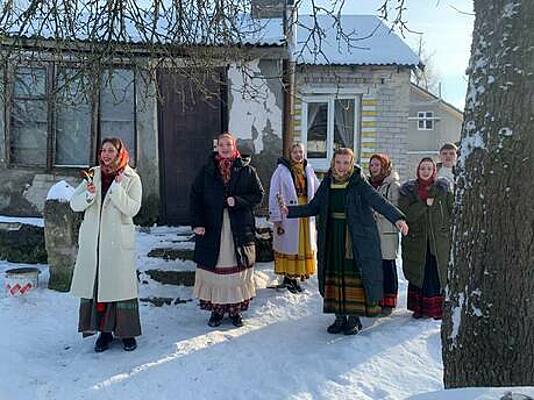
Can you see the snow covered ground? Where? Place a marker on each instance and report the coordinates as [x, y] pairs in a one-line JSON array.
[[283, 351]]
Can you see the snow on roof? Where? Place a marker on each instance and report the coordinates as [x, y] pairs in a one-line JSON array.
[[85, 26], [369, 42], [61, 192]]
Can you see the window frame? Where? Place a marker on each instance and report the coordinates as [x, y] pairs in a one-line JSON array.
[[422, 116], [323, 164], [52, 68]]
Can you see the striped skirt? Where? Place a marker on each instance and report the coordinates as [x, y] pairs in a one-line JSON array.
[[344, 292]]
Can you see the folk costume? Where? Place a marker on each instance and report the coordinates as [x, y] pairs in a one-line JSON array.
[[225, 254], [425, 250], [294, 241], [387, 184], [349, 259]]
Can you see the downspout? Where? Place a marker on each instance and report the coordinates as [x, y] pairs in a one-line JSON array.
[[288, 76]]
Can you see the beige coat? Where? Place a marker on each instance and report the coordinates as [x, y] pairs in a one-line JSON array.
[[389, 234], [108, 233]]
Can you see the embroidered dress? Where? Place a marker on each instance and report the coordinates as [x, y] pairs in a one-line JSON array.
[[227, 288], [344, 292]]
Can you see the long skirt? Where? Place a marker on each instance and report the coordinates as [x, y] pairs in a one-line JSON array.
[[344, 292], [303, 264], [428, 300], [391, 284], [119, 317], [227, 288]]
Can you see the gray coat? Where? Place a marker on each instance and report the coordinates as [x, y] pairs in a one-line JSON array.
[[389, 234]]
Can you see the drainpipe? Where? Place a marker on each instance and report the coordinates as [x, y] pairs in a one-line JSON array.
[[288, 76]]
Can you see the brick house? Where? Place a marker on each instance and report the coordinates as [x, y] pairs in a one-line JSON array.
[[354, 95]]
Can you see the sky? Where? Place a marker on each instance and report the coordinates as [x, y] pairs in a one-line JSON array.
[[446, 27]]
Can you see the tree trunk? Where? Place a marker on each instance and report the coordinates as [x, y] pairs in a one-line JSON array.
[[488, 326]]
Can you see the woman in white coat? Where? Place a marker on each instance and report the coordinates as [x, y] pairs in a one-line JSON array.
[[386, 182], [105, 273], [295, 248]]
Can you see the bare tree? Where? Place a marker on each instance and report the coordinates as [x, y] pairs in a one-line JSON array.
[[190, 36], [426, 77], [489, 313]]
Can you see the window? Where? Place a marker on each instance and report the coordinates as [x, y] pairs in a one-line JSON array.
[[425, 120], [330, 123], [54, 121], [317, 137], [29, 117], [117, 107], [73, 119]]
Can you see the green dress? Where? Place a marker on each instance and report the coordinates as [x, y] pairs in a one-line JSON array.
[[344, 292]]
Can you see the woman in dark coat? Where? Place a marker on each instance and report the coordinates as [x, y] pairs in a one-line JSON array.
[[427, 203], [349, 262], [223, 197]]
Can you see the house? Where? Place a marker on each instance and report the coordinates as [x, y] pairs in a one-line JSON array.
[[431, 122], [354, 93], [168, 120]]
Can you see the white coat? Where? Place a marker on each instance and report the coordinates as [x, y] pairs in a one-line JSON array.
[[389, 234], [107, 232], [282, 182]]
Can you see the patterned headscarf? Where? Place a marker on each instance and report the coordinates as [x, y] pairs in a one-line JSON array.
[[121, 161], [225, 163], [338, 178]]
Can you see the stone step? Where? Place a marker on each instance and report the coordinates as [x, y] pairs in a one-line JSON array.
[[169, 253], [160, 301], [178, 278]]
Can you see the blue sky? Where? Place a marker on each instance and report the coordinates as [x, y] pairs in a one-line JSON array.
[[446, 34]]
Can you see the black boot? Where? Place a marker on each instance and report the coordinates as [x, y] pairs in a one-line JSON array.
[[354, 325], [339, 324], [215, 319], [103, 341], [290, 285], [297, 286], [129, 344], [237, 320]]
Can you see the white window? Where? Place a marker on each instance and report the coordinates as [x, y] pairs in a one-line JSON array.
[[329, 122], [425, 120]]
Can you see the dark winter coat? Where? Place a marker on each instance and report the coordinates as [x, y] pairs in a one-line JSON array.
[[208, 201], [428, 224], [361, 199]]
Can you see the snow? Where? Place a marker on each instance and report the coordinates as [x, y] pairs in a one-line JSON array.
[[516, 393], [282, 352], [61, 191], [370, 42], [22, 220], [456, 318]]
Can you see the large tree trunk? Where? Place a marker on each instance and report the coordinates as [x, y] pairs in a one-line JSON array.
[[488, 326]]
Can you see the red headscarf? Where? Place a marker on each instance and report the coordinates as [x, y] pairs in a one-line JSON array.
[[119, 164], [385, 169], [225, 163], [423, 185]]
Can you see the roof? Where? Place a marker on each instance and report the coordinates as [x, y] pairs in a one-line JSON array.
[[86, 26], [356, 40], [432, 96]]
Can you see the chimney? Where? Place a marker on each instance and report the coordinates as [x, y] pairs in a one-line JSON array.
[[268, 8]]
